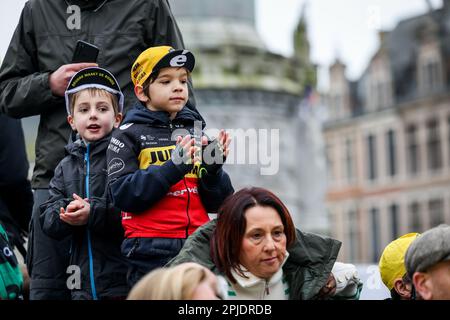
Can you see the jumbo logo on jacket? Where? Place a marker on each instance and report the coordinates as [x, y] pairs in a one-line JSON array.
[[158, 155]]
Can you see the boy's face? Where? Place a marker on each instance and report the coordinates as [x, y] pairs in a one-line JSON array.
[[169, 92], [93, 116]]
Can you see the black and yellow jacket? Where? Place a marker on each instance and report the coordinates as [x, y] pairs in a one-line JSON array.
[[158, 198]]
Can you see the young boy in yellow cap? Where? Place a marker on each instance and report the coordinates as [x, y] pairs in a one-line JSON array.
[[393, 271], [154, 171]]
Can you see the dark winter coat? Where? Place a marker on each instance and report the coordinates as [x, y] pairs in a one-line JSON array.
[[16, 197]]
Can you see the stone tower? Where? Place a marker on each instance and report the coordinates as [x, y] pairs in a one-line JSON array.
[[256, 94]]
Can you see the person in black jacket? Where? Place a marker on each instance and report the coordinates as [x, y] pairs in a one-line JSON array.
[[78, 204], [16, 197], [35, 73], [154, 175]]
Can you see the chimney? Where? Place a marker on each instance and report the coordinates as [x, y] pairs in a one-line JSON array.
[[382, 36], [446, 5]]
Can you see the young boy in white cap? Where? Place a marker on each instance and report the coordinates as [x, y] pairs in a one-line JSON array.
[[79, 206], [154, 174]]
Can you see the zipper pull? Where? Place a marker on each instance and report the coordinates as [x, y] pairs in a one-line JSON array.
[[267, 287]]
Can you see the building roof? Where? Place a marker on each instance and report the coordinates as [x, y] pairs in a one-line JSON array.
[[212, 24]]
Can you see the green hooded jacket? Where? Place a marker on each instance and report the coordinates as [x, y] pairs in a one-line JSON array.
[[11, 280], [307, 269]]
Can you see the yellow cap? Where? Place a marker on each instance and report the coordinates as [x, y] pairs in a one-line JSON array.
[[392, 261], [156, 58]]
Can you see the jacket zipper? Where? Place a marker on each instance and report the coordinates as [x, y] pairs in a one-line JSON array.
[[187, 190], [266, 288], [88, 234], [133, 248], [187, 207]]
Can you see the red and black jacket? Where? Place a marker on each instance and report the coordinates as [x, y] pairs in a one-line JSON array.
[[159, 199]]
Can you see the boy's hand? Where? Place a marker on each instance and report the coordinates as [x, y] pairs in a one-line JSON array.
[[59, 80], [77, 212], [215, 154], [186, 152]]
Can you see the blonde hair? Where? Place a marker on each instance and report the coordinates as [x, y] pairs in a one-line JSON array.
[[174, 283], [94, 92]]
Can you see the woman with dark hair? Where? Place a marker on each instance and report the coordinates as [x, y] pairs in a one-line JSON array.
[[255, 245]]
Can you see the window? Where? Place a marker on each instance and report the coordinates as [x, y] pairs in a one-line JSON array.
[[434, 145], [430, 68], [393, 211], [391, 153], [436, 209], [375, 219], [371, 157], [349, 159], [353, 236], [431, 75], [337, 104], [415, 223], [413, 149]]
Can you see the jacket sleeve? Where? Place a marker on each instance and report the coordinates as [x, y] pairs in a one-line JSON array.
[[104, 218], [316, 255], [133, 189], [52, 225], [24, 89], [214, 189]]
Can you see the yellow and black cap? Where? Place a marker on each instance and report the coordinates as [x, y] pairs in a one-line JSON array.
[[156, 58]]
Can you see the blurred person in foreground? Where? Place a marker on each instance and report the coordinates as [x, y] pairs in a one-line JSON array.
[[393, 271], [16, 197], [187, 281], [256, 247], [428, 263]]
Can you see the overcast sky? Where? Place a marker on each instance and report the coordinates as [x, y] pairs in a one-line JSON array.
[[344, 28]]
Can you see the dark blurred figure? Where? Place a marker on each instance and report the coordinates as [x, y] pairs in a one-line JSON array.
[[16, 198]]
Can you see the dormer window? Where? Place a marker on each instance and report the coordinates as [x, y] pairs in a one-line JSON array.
[[339, 99], [379, 88], [430, 69]]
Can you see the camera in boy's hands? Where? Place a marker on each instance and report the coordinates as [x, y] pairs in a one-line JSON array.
[[183, 156], [213, 157]]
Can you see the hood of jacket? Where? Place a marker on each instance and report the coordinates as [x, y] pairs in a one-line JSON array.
[[78, 147], [87, 4], [142, 115]]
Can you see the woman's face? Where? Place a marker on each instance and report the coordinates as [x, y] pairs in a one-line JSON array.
[[264, 242]]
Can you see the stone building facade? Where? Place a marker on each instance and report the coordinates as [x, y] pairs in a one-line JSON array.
[[388, 139]]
